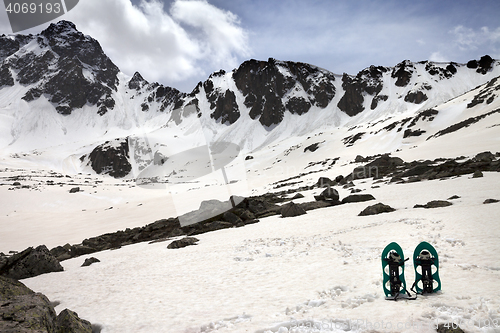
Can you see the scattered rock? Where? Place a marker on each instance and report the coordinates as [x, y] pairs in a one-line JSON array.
[[360, 159], [453, 197], [358, 198], [477, 174], [312, 148], [291, 210], [90, 261], [232, 218], [486, 156], [16, 184], [74, 190], [298, 196], [489, 201], [183, 242], [29, 263], [324, 182], [159, 158], [68, 321], [435, 204], [318, 204], [378, 168], [328, 194], [376, 209], [80, 250]]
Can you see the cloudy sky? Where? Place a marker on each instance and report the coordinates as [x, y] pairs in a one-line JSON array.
[[180, 42]]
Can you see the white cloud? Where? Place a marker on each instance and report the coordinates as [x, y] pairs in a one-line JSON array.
[[438, 57], [219, 33], [470, 39], [169, 45]]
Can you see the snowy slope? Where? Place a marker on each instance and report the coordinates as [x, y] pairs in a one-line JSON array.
[[320, 270]]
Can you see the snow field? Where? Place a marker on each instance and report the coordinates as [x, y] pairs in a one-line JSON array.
[[314, 273]]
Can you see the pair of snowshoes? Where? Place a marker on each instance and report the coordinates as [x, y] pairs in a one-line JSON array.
[[425, 263]]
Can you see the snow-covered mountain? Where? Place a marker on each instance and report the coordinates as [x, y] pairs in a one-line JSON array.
[[65, 105]]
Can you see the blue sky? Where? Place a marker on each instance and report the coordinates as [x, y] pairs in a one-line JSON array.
[[180, 42]]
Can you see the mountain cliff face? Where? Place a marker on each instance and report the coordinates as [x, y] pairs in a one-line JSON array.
[[67, 67], [60, 85], [269, 89]]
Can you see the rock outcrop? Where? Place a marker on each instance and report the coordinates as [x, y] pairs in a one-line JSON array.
[[29, 263], [291, 209], [111, 158], [376, 209], [24, 311]]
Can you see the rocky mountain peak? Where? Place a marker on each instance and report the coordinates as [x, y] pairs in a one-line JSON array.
[[59, 28], [63, 64], [272, 87], [137, 82]]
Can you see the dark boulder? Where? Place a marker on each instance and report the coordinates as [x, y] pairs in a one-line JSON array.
[[358, 198], [80, 250], [261, 206], [183, 242], [328, 194], [312, 148], [360, 159], [325, 182], [486, 156], [477, 174], [29, 263], [435, 204], [209, 210], [490, 201], [381, 166], [376, 209], [318, 204], [232, 218], [61, 252], [417, 170], [291, 209], [90, 261], [74, 190], [298, 196], [243, 214], [68, 322]]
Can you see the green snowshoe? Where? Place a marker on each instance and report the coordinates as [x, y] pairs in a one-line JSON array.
[[393, 268], [426, 264]]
